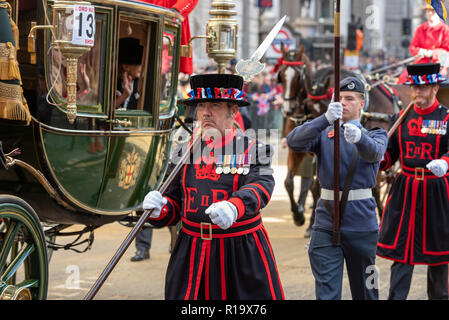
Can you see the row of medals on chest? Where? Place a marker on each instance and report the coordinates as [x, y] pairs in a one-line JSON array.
[[234, 164], [434, 127]]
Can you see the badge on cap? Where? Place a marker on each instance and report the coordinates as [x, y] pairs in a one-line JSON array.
[[351, 85]]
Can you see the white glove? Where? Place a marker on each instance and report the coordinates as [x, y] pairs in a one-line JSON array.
[[222, 213], [352, 133], [334, 112], [425, 52], [438, 167], [154, 200]]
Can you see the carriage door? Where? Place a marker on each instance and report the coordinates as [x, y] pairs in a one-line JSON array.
[[136, 151], [80, 146]]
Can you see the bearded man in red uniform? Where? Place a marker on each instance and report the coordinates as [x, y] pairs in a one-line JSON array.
[[415, 222], [222, 251], [429, 41]]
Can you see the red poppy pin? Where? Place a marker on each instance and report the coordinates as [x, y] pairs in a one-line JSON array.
[[330, 134]]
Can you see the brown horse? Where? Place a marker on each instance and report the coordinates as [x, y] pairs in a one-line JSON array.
[[293, 73]]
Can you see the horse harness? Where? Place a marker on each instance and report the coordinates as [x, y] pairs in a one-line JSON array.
[[300, 67]]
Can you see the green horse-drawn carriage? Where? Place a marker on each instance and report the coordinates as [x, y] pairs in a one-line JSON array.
[[86, 163]]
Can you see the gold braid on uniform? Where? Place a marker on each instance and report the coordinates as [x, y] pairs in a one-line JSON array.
[[9, 67], [12, 103]]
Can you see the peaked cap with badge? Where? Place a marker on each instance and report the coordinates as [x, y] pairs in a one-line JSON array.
[[216, 88], [352, 84]]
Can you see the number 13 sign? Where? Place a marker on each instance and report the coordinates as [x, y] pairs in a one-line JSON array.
[[83, 25]]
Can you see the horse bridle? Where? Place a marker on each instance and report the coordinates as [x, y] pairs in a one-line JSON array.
[[299, 66]]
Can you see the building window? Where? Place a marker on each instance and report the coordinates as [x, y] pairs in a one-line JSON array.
[[325, 9]]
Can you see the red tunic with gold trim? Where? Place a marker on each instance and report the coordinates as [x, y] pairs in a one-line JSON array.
[[208, 262], [415, 222]]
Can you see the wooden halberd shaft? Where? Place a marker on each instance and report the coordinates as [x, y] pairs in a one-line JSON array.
[[133, 233]]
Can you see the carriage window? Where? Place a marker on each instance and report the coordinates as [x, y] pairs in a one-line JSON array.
[[90, 81], [135, 72], [167, 71]]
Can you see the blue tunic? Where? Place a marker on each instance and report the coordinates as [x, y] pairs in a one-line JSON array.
[[316, 136]]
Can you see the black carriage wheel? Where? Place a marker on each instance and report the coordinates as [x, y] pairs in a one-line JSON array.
[[23, 253]]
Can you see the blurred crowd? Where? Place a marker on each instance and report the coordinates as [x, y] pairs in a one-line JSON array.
[[370, 62]]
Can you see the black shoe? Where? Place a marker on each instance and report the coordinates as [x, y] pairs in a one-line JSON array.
[[141, 255]]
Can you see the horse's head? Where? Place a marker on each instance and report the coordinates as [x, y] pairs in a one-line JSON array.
[[319, 95], [292, 74]]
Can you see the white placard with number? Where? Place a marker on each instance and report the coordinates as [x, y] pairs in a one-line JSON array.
[[83, 25]]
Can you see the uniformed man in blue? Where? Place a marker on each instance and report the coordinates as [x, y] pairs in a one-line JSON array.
[[361, 152]]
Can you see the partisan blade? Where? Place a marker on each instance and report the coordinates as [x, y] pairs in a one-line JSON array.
[[260, 51]]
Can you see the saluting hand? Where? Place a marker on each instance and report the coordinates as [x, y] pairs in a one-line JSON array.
[[154, 200], [127, 81], [222, 213], [438, 167], [352, 133], [334, 112]]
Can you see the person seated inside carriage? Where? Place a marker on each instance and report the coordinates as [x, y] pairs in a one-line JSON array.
[[129, 72]]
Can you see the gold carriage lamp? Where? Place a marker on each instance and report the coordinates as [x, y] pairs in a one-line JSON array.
[[73, 31], [221, 34]]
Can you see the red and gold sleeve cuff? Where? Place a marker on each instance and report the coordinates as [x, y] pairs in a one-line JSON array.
[[239, 205], [164, 212], [170, 207]]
